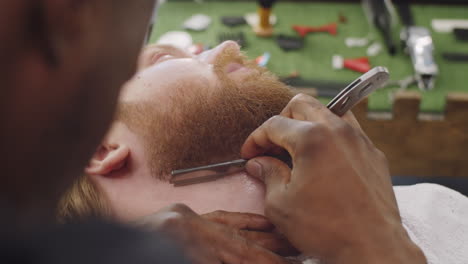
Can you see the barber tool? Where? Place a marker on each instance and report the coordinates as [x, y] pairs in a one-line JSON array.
[[419, 45], [323, 88], [198, 22], [342, 18], [178, 39], [461, 34], [319, 87], [237, 37], [352, 42], [402, 84], [263, 59], [455, 56], [448, 25], [253, 19], [304, 30], [288, 43], [232, 21], [360, 64], [343, 102], [374, 49], [264, 28], [380, 14]]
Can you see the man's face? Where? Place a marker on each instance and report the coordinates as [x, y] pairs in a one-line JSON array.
[[182, 111]]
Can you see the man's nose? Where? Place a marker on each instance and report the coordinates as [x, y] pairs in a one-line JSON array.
[[210, 56]]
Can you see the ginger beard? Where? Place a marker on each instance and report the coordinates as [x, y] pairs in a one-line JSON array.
[[207, 125]]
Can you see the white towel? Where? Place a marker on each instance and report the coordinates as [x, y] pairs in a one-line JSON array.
[[436, 219]]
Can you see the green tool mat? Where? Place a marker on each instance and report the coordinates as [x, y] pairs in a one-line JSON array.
[[314, 60]]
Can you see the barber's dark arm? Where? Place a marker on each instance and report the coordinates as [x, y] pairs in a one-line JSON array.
[[337, 203], [220, 237]]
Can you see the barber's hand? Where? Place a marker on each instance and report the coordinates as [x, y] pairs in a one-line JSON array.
[[337, 203], [254, 228], [220, 237]]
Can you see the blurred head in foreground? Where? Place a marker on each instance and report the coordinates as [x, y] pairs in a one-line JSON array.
[[60, 79]]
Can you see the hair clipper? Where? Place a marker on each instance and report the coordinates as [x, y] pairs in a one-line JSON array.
[[419, 45]]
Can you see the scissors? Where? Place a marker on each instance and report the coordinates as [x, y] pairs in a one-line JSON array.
[[339, 105]]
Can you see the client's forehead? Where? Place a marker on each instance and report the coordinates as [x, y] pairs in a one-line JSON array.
[[179, 75]]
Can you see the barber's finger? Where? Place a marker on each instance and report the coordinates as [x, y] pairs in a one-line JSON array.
[[273, 172], [271, 241], [232, 248], [351, 119], [278, 131], [241, 250], [306, 108], [291, 135], [240, 220]]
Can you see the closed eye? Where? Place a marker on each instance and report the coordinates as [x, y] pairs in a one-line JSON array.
[[159, 57], [155, 54]]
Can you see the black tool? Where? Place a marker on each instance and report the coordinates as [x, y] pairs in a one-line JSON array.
[[236, 36], [325, 88], [455, 57], [288, 43], [380, 15], [461, 34], [232, 21], [266, 3], [404, 11]]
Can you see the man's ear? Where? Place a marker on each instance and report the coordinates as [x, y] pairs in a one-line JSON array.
[[107, 159]]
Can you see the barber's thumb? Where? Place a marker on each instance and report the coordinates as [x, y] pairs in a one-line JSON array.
[[268, 170]]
